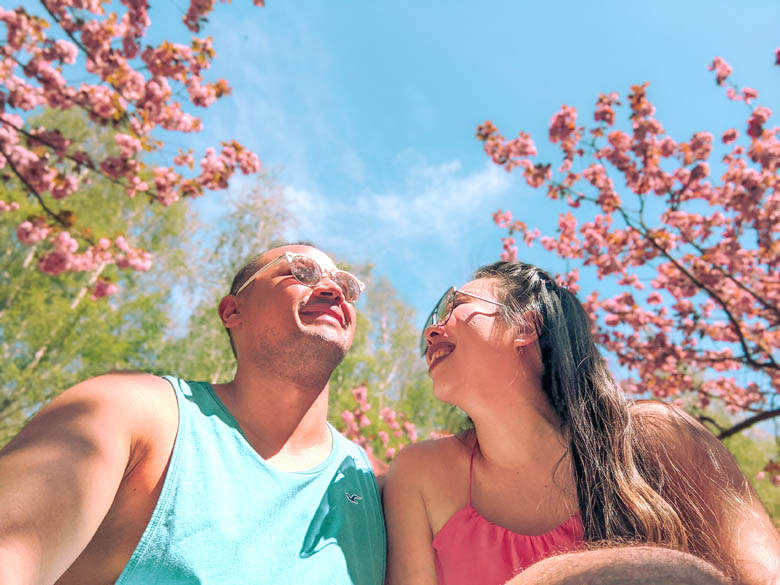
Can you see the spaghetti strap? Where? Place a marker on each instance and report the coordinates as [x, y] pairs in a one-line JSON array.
[[471, 466]]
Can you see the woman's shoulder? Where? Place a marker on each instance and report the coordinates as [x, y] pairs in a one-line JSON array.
[[431, 462], [433, 473], [437, 452]]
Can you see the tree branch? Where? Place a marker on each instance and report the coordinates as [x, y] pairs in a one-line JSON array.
[[768, 306], [67, 32], [748, 422], [55, 216]]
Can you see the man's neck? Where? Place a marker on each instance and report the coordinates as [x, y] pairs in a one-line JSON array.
[[285, 422]]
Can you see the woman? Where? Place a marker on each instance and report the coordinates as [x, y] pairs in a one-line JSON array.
[[557, 458]]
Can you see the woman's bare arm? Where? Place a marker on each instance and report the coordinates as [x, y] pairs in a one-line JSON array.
[[410, 559]]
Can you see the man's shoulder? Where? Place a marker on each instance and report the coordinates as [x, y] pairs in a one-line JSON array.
[[122, 387], [139, 401]]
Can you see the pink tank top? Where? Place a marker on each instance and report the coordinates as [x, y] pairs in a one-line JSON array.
[[470, 549]]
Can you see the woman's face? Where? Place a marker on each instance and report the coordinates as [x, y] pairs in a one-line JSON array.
[[472, 352]]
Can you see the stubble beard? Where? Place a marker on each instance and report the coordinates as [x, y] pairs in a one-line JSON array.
[[306, 358]]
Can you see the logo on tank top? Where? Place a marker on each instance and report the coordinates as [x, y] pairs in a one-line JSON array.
[[354, 498]]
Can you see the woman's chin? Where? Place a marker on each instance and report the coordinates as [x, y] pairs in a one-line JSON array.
[[444, 393]]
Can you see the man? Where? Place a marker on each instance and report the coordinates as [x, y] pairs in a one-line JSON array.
[[120, 479]]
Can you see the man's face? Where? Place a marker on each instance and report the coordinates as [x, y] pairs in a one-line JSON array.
[[282, 317]]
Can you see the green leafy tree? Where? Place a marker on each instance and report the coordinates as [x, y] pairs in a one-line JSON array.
[[52, 331]]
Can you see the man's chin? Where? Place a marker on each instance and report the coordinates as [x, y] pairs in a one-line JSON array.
[[330, 334], [331, 343]]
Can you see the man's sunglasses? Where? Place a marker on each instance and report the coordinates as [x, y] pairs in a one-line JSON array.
[[307, 271], [443, 309]]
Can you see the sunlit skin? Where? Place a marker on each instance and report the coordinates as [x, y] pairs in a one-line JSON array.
[[493, 374], [482, 371]]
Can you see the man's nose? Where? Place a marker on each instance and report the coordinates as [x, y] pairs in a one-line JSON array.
[[328, 288]]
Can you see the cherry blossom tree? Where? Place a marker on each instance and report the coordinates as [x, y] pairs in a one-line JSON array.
[[123, 86], [703, 233]]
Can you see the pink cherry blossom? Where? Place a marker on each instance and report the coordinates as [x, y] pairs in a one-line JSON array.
[[748, 93], [710, 253], [54, 263], [756, 121], [721, 68], [64, 243], [35, 66], [730, 136], [103, 288], [29, 232]]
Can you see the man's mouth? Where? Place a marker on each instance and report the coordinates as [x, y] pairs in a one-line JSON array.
[[324, 311]]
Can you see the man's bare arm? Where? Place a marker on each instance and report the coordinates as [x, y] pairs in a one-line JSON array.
[[59, 476], [703, 471]]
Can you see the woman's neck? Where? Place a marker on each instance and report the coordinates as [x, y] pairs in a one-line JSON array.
[[519, 441]]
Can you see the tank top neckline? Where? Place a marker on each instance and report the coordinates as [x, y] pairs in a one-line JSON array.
[[233, 423], [469, 511]]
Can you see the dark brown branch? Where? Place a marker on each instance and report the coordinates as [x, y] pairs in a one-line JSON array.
[[93, 168], [67, 32], [55, 216], [768, 306], [644, 232], [748, 422], [706, 419]]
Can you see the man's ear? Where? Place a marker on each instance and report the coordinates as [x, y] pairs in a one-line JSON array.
[[229, 312]]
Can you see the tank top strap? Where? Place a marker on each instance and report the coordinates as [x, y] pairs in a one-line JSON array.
[[471, 467]]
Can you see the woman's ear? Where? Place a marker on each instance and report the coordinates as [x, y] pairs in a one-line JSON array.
[[229, 312], [523, 341], [527, 334]]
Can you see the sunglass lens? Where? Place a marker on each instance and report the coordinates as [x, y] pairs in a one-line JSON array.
[[305, 270], [444, 308], [439, 314], [350, 286]]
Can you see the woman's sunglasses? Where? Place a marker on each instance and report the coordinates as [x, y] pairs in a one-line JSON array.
[[443, 309], [307, 271]]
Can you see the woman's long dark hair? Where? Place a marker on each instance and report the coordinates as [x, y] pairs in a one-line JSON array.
[[623, 487]]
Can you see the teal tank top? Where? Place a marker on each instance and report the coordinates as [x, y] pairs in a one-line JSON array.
[[225, 516]]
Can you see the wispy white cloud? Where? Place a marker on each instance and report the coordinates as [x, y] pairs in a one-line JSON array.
[[432, 232], [439, 203]]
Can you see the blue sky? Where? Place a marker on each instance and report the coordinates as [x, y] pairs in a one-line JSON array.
[[366, 111]]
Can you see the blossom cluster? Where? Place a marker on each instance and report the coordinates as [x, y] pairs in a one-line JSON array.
[[62, 254], [128, 90], [771, 472], [381, 431], [700, 285]]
